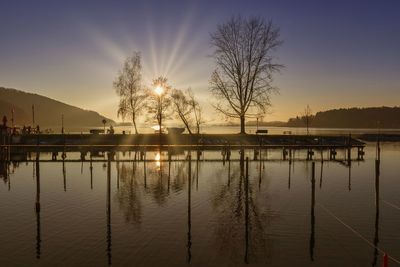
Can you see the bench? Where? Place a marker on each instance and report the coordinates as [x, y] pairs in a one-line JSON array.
[[96, 131], [262, 131]]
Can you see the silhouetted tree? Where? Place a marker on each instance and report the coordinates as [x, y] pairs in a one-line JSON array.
[[187, 108], [307, 117], [160, 100], [129, 88], [182, 108], [196, 110], [243, 55]]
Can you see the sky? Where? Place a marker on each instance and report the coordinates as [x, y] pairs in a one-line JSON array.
[[337, 54]]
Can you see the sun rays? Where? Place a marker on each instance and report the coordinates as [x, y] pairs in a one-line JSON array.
[[166, 51]]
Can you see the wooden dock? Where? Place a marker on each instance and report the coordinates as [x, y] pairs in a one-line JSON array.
[[95, 143]]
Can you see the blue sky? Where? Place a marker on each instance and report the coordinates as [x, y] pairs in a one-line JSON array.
[[336, 53]]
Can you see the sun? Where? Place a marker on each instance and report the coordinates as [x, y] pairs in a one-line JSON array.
[[159, 90]]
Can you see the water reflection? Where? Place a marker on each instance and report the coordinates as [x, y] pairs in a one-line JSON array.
[[238, 212], [241, 212], [376, 235], [5, 173], [189, 211], [37, 211], [312, 214], [109, 211], [130, 194], [91, 173], [64, 172]]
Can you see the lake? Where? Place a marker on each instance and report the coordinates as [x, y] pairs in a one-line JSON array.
[[205, 212]]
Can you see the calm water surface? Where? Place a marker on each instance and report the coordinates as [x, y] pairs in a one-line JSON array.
[[201, 214]]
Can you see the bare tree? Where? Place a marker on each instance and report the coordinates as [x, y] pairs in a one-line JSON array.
[[243, 75], [129, 88], [307, 117], [182, 107], [160, 101], [187, 109], [196, 110]]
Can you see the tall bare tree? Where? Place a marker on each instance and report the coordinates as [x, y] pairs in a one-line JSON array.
[[159, 100], [244, 66], [130, 89], [182, 108], [187, 109], [307, 117], [196, 110]]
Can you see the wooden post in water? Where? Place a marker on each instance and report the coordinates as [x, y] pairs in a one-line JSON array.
[[229, 173], [91, 173], [349, 151], [246, 188], [117, 166], [189, 233], [310, 154], [322, 170], [290, 171], [332, 154], [259, 170], [360, 153], [197, 174], [144, 171], [64, 172], [312, 235], [376, 236], [378, 150], [349, 186], [377, 174], [37, 210], [255, 157], [108, 209]]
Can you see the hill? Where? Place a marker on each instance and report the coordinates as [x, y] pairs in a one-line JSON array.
[[48, 111], [372, 117]]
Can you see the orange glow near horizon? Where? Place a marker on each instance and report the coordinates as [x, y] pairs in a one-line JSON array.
[[157, 158]]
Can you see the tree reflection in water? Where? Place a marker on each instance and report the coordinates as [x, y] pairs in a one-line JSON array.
[[129, 195], [242, 209], [157, 179], [242, 221]]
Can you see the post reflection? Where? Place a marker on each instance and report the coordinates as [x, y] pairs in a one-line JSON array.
[[290, 173], [64, 172], [5, 173], [189, 233], [260, 170], [240, 203], [246, 188], [376, 235], [37, 210], [320, 176], [108, 209], [91, 173], [349, 185], [242, 222], [129, 195], [312, 235]]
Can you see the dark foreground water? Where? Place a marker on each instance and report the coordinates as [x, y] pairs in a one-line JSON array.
[[161, 214]]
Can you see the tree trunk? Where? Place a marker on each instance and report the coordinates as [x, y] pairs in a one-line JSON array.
[[134, 124], [242, 124], [186, 123]]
